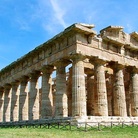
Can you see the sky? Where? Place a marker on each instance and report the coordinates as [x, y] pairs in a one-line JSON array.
[[25, 24]]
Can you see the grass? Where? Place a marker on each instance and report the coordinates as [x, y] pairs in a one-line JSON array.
[[117, 132]]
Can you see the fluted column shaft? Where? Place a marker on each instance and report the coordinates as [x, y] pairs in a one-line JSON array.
[[23, 99], [134, 94], [1, 104], [7, 103], [47, 96], [119, 92], [78, 88], [102, 104], [14, 101], [69, 92], [34, 97], [128, 90], [61, 107], [109, 85], [90, 94]]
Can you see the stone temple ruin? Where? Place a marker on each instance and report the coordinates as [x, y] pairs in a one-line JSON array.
[[96, 78]]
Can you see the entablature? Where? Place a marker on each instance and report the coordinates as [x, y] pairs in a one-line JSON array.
[[80, 39]]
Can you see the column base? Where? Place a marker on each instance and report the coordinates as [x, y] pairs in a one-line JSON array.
[[87, 121]]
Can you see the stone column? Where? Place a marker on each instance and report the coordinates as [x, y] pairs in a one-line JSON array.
[[47, 96], [7, 103], [90, 92], [61, 106], [119, 102], [69, 92], [14, 101], [102, 104], [109, 85], [1, 103], [23, 99], [54, 94], [78, 88], [134, 93], [34, 96], [128, 89]]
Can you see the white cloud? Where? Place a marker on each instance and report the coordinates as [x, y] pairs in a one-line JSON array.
[[58, 12], [22, 23]]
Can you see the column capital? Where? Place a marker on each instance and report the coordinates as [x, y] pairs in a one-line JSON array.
[[62, 62], [15, 83], [47, 69], [132, 69], [77, 57], [89, 71], [115, 66], [34, 74], [7, 86], [24, 80], [97, 61], [1, 89]]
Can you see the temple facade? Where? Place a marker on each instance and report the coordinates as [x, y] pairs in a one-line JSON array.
[[78, 74]]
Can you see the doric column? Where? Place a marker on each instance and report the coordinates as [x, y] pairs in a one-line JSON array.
[[34, 96], [54, 94], [7, 103], [109, 85], [90, 92], [1, 103], [134, 93], [128, 89], [69, 92], [102, 103], [127, 85], [119, 102], [47, 96], [23, 99], [78, 87], [61, 106], [14, 101]]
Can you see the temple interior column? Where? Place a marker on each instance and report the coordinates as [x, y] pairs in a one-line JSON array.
[[1, 103], [54, 95], [119, 102], [128, 100], [109, 85], [90, 92], [69, 92], [7, 103], [61, 106], [23, 98], [78, 88], [47, 96], [102, 103], [134, 93], [14, 101], [34, 96], [128, 89]]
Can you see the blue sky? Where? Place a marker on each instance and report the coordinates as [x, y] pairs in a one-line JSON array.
[[25, 24]]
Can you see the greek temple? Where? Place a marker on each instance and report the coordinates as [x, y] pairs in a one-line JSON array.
[[77, 75]]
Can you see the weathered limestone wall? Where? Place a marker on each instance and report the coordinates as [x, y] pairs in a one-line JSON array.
[[102, 80]]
